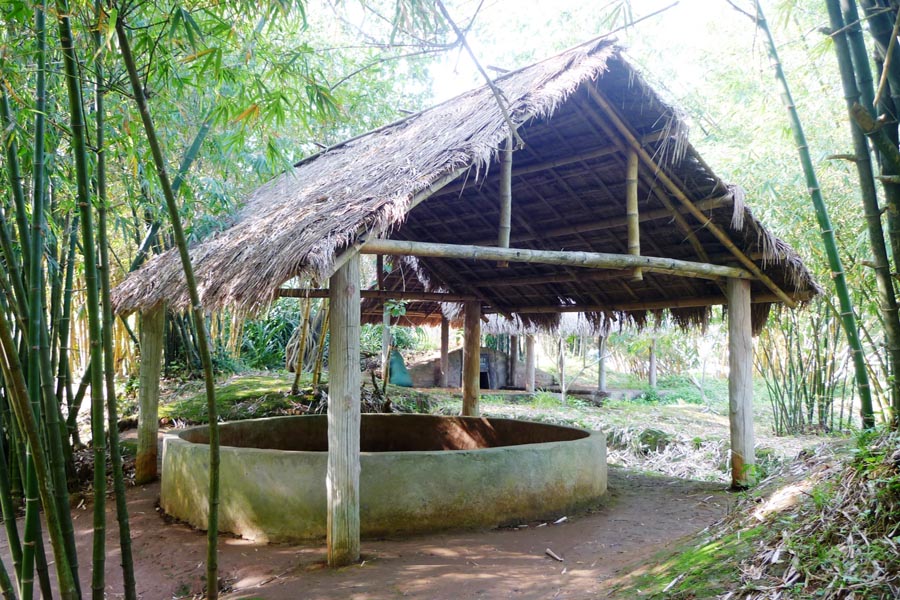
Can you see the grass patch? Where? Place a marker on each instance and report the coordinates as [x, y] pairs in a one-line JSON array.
[[698, 570], [241, 398]]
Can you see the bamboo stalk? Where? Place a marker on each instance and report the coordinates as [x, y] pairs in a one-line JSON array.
[[599, 260], [631, 211], [887, 299], [127, 562], [39, 474], [505, 198], [212, 569], [848, 317], [676, 191]]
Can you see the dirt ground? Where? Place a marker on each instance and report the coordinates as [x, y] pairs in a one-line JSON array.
[[641, 515]]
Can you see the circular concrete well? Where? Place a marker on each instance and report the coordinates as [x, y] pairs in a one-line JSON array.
[[417, 473]]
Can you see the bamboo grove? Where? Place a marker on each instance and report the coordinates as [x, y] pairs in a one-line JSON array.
[[86, 196], [129, 128]]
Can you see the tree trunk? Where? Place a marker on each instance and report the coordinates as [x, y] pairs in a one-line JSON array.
[[601, 363]]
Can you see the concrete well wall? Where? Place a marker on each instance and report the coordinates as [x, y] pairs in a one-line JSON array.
[[279, 495]]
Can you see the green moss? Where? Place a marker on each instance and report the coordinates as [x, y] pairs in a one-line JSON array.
[[703, 570], [241, 398]]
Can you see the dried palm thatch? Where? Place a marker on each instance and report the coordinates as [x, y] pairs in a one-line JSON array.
[[429, 178]]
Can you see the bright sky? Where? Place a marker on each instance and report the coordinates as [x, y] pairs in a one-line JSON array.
[[678, 40]]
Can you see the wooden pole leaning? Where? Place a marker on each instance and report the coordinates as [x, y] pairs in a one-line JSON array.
[[471, 376], [631, 211], [342, 474], [676, 191], [152, 335], [740, 383]]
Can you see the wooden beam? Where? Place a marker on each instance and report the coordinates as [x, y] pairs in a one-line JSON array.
[[740, 383], [631, 210], [445, 352], [471, 375], [529, 363], [613, 222], [342, 475], [152, 339], [650, 304], [378, 295], [505, 197], [676, 191], [554, 278], [596, 260]]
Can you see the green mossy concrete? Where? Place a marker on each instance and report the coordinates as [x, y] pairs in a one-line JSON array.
[[279, 495]]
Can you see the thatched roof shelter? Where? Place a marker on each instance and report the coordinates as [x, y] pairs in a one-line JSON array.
[[434, 177]]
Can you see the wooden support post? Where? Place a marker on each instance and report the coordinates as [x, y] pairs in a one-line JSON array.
[[631, 211], [385, 340], [471, 359], [152, 340], [505, 198], [529, 363], [561, 363], [652, 368], [740, 383], [513, 360], [601, 363], [445, 351], [342, 477]]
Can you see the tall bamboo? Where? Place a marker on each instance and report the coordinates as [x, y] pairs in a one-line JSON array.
[[851, 73], [11, 368], [78, 128], [848, 317], [109, 321], [34, 314], [137, 87]]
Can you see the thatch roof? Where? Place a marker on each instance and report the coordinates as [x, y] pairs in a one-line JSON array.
[[568, 194]]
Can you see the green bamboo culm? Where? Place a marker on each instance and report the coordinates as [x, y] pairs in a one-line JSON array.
[[199, 318], [108, 319], [11, 368], [8, 510], [34, 314], [78, 129], [855, 76], [848, 317]]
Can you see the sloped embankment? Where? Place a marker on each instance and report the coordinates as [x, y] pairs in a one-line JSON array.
[[826, 525]]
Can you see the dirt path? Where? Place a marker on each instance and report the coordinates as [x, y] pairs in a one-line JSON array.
[[641, 515]]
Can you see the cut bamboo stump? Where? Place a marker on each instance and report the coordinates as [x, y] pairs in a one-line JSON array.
[[342, 475], [152, 338], [740, 383]]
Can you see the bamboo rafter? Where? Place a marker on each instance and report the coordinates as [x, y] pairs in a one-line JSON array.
[[676, 191]]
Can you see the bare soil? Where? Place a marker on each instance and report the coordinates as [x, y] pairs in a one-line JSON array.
[[641, 515]]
